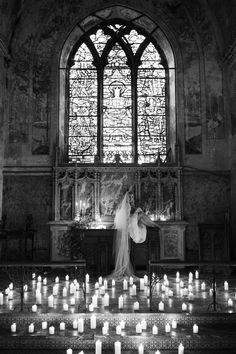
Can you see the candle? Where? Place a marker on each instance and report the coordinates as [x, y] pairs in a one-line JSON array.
[[105, 284], [13, 328], [62, 326], [136, 306], [117, 346], [161, 306], [93, 322], [230, 302], [125, 284], [145, 279], [95, 301], [65, 307], [34, 308], [106, 300], [167, 328], [195, 328], [184, 307], [44, 325], [170, 293], [72, 288], [57, 280], [113, 282], [25, 288], [144, 324], [122, 324], [154, 329], [226, 286], [67, 277], [181, 349], [38, 297], [98, 347], [203, 286], [96, 285], [69, 351], [100, 280], [33, 275], [55, 290], [120, 302], [31, 328], [81, 325], [39, 279], [51, 330], [197, 274], [64, 292], [141, 284], [118, 329], [75, 324], [104, 330], [174, 324], [72, 301], [91, 307], [102, 290], [50, 301], [10, 295], [133, 292], [131, 280], [140, 349], [45, 281], [1, 298], [138, 328], [87, 278]]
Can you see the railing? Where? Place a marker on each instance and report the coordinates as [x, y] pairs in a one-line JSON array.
[[204, 283], [26, 276]]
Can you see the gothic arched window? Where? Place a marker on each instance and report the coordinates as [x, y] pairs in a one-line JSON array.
[[118, 89]]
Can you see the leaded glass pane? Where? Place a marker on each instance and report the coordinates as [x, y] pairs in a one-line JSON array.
[[82, 139], [99, 40], [134, 39], [117, 114], [151, 107]]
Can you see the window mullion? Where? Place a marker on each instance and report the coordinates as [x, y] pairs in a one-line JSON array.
[[134, 113], [99, 112]]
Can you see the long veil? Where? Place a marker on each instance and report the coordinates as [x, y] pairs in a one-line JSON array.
[[123, 265]]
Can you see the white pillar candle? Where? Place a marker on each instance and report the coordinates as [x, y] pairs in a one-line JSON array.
[[122, 324], [131, 280], [44, 325], [120, 302], [181, 349], [102, 290], [154, 329], [65, 307], [95, 301], [170, 293], [64, 292], [10, 295], [141, 284], [167, 328], [145, 279], [50, 301], [226, 286], [1, 299], [133, 290], [80, 325], [38, 297], [67, 277], [96, 285], [11, 286], [87, 278], [138, 328], [51, 330], [7, 290], [98, 347], [33, 275], [31, 328], [34, 308], [62, 326], [230, 302], [117, 346], [45, 281], [93, 322], [55, 290], [161, 306], [72, 288], [13, 328], [174, 324], [125, 284], [91, 307], [100, 280], [105, 283], [144, 324], [75, 324], [136, 306], [195, 328], [118, 329], [25, 288], [106, 300], [57, 280], [72, 301], [203, 286], [184, 307], [196, 274], [140, 349], [104, 330], [69, 351], [113, 282], [163, 287], [39, 279]]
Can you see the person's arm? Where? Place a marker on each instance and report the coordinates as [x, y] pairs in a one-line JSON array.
[[145, 220]]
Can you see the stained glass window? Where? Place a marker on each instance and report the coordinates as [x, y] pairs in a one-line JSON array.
[[117, 98]]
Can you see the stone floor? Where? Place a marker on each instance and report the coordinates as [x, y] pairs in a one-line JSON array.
[[216, 319]]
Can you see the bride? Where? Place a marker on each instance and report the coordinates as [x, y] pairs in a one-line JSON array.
[[128, 224]]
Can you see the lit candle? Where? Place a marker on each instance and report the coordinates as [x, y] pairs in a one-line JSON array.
[[154, 329], [118, 329], [31, 328], [25, 288], [184, 307], [117, 346], [69, 351], [170, 293], [120, 302], [67, 277], [62, 326], [181, 349], [125, 284], [106, 300], [1, 299], [141, 284], [144, 324], [72, 288], [50, 301], [10, 295], [64, 292], [102, 290], [51, 330], [181, 283], [230, 302], [122, 324], [81, 325], [136, 306], [226, 286], [140, 349], [44, 325], [195, 328], [45, 281], [93, 322], [100, 280], [95, 301], [145, 279], [197, 274], [11, 286], [203, 286], [75, 324], [33, 275], [34, 308], [96, 285], [13, 328], [98, 347], [38, 297], [133, 292], [72, 301], [91, 307], [167, 328], [161, 306], [104, 330], [131, 280], [113, 282], [105, 284], [57, 280], [65, 307], [138, 328], [39, 279], [87, 278]]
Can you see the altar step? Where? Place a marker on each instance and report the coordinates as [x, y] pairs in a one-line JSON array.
[[216, 333]]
